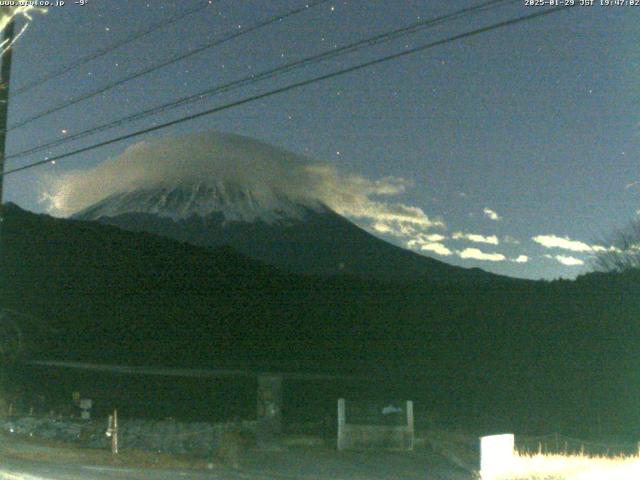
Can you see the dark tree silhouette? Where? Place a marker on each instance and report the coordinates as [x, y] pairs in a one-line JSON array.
[[624, 251]]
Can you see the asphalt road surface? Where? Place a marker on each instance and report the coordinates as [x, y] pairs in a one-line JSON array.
[[316, 465], [26, 459]]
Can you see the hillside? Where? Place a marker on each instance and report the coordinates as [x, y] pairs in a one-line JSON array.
[[520, 352], [295, 237]]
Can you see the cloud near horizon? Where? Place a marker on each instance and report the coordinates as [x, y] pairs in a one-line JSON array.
[[433, 243], [566, 243], [476, 238], [566, 260], [429, 242], [435, 247], [477, 254]]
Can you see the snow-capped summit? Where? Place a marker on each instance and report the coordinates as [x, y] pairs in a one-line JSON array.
[[242, 178], [234, 202]]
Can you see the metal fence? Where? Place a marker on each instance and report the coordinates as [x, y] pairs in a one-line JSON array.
[[365, 425]]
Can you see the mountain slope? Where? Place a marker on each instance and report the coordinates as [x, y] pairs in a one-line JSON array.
[[297, 237]]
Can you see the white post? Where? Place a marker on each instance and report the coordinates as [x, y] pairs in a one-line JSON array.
[[341, 422], [496, 456], [114, 437], [410, 422], [112, 431]]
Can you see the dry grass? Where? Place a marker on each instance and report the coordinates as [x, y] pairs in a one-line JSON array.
[[571, 467], [462, 450]]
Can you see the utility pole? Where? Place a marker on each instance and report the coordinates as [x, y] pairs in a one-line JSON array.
[[5, 74]]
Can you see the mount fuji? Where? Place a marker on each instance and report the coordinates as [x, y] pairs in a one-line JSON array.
[[258, 199]]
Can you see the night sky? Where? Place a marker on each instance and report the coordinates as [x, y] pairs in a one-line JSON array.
[[521, 145]]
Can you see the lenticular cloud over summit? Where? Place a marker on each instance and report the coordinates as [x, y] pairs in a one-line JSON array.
[[268, 173]]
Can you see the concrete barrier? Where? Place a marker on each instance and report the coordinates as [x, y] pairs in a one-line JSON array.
[[496, 456]]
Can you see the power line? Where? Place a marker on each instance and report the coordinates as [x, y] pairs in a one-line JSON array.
[[99, 53], [381, 38], [229, 36], [271, 73], [295, 86], [187, 372]]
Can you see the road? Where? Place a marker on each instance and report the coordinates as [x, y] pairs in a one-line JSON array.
[[46, 463], [15, 469], [18, 469]]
